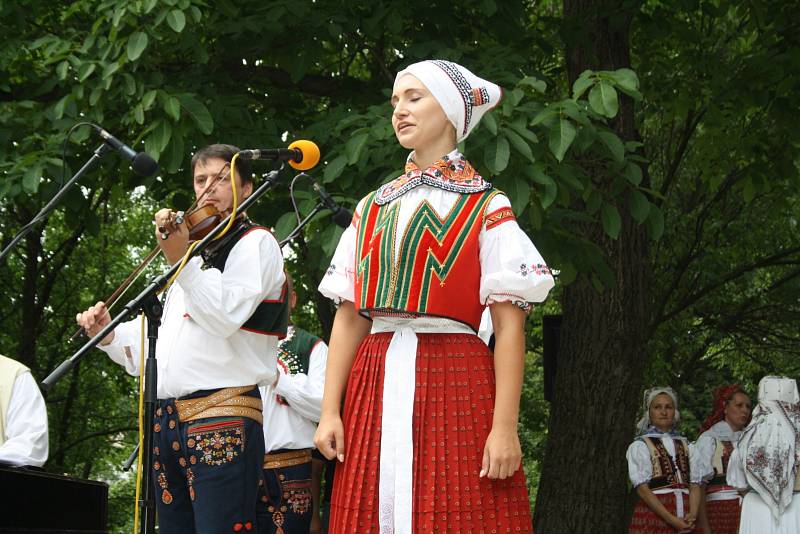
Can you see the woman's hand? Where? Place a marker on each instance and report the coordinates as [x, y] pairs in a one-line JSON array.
[[316, 525], [329, 438], [502, 454], [681, 524]]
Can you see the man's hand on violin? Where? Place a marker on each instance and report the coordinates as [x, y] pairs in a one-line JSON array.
[[95, 319], [172, 236]]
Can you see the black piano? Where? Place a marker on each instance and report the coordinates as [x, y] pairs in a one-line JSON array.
[[38, 502]]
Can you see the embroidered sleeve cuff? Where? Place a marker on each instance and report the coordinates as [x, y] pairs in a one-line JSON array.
[[516, 300]]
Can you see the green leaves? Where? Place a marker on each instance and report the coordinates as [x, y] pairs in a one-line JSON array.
[[497, 154], [334, 168], [520, 145], [612, 223], [354, 147], [176, 20], [583, 82], [85, 71], [137, 42], [157, 141], [603, 99], [548, 194], [198, 112], [627, 82], [639, 205], [172, 107], [561, 137], [538, 85], [614, 145], [31, 178]]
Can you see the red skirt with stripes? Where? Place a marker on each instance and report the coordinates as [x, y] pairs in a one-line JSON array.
[[645, 520], [723, 516], [453, 406]]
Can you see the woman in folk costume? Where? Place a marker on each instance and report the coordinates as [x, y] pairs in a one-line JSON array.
[[659, 469], [766, 459], [711, 453], [428, 434]]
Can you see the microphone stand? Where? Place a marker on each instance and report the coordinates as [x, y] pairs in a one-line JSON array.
[[294, 233], [98, 153], [147, 301]]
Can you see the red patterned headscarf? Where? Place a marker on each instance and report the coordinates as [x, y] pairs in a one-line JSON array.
[[722, 395]]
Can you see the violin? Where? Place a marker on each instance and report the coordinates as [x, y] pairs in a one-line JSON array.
[[199, 221]]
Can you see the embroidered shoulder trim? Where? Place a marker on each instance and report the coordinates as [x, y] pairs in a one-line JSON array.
[[498, 217], [456, 175]]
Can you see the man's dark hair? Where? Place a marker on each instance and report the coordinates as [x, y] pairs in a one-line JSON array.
[[244, 168]]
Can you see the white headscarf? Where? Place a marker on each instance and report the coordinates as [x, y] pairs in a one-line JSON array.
[[770, 443], [463, 96], [644, 425]]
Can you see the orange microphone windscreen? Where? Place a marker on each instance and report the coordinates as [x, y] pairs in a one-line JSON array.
[[310, 152]]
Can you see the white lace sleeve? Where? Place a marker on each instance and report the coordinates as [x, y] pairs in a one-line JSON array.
[[511, 267], [701, 453], [736, 476], [640, 468], [338, 284]]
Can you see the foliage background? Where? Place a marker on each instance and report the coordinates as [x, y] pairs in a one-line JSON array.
[[712, 174]]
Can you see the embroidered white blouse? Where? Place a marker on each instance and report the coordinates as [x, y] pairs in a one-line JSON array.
[[292, 425], [640, 466], [702, 451]]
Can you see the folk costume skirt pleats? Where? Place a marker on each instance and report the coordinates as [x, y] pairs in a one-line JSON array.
[[453, 401], [723, 513], [645, 520]]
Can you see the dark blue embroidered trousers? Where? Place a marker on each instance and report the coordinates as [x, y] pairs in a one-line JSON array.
[[206, 472], [286, 502]]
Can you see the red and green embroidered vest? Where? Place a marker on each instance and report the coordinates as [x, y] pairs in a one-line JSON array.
[[294, 351], [667, 472], [436, 269]]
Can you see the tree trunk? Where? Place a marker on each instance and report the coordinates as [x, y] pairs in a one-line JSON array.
[[601, 358], [31, 319]]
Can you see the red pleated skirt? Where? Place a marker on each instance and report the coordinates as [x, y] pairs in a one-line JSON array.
[[723, 516], [453, 406], [645, 520]]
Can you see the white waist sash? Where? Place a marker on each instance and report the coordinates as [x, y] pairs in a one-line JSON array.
[[724, 495], [678, 493], [397, 445]]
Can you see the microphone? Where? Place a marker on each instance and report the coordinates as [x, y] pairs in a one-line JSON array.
[[143, 163], [300, 155], [341, 216]]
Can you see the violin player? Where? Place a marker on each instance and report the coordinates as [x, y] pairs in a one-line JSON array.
[[222, 320]]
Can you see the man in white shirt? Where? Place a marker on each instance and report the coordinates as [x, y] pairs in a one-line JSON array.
[[23, 417], [222, 320], [292, 407]]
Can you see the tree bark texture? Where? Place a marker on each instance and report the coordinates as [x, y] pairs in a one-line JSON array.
[[601, 360]]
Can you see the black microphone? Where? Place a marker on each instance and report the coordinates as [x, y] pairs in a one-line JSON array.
[[341, 216], [277, 154], [301, 154], [143, 163]]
